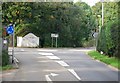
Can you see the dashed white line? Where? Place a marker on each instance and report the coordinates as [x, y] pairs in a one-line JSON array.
[[74, 73], [46, 50], [43, 53], [22, 50], [62, 63], [53, 57]]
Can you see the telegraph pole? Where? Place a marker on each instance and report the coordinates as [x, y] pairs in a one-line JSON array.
[[13, 44], [102, 12]]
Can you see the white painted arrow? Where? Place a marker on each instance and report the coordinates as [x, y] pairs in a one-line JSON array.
[[48, 78], [53, 74], [74, 73]]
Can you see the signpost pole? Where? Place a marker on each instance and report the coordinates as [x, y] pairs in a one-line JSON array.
[[52, 41], [102, 13], [13, 45], [10, 30], [54, 36], [56, 42]]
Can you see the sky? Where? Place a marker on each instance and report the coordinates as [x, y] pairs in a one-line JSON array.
[[92, 2], [89, 2]]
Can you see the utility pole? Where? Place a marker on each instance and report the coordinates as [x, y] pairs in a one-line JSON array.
[[13, 43], [102, 12]]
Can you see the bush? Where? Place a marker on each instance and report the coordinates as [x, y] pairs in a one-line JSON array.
[[5, 58], [89, 43], [101, 45], [108, 39]]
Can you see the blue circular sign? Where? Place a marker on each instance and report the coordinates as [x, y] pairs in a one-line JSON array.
[[10, 29]]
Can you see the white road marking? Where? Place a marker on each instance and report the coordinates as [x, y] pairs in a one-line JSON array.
[[62, 63], [82, 50], [43, 53], [8, 74], [46, 50], [74, 73], [48, 78], [54, 74], [53, 57], [16, 59], [22, 50]]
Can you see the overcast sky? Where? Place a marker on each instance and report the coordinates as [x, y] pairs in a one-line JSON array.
[[92, 2], [89, 2]]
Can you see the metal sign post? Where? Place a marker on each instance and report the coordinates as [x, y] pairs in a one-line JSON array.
[[54, 36], [10, 30], [102, 12], [52, 41], [56, 42], [13, 45]]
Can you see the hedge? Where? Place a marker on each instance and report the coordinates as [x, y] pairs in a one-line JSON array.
[[108, 41], [5, 58]]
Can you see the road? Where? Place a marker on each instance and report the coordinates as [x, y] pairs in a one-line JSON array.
[[65, 64]]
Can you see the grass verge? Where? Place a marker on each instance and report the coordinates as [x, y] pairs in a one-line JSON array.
[[7, 67], [103, 58]]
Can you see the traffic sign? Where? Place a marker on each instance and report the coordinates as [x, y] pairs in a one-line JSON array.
[[10, 29], [95, 34], [54, 35]]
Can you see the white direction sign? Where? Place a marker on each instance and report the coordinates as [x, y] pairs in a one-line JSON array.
[[54, 35]]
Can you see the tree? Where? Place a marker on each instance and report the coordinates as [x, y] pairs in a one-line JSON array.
[[108, 37], [72, 22]]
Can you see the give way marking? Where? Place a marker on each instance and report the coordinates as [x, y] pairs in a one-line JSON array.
[[44, 53]]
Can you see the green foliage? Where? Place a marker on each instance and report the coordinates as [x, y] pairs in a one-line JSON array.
[[0, 20], [7, 67], [5, 58], [89, 43], [101, 45], [110, 61], [110, 12], [73, 22], [108, 37]]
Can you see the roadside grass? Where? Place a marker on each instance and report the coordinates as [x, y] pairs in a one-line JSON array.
[[103, 58], [0, 68], [7, 67]]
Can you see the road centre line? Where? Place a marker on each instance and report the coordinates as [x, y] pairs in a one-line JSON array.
[[62, 63], [46, 50], [74, 73], [44, 53], [53, 57], [22, 50]]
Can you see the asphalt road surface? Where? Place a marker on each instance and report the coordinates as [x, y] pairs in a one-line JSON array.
[[65, 64]]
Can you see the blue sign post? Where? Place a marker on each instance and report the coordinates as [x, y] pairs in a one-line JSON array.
[[10, 30]]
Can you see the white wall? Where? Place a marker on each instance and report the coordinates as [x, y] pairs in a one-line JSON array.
[[19, 41], [30, 40]]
